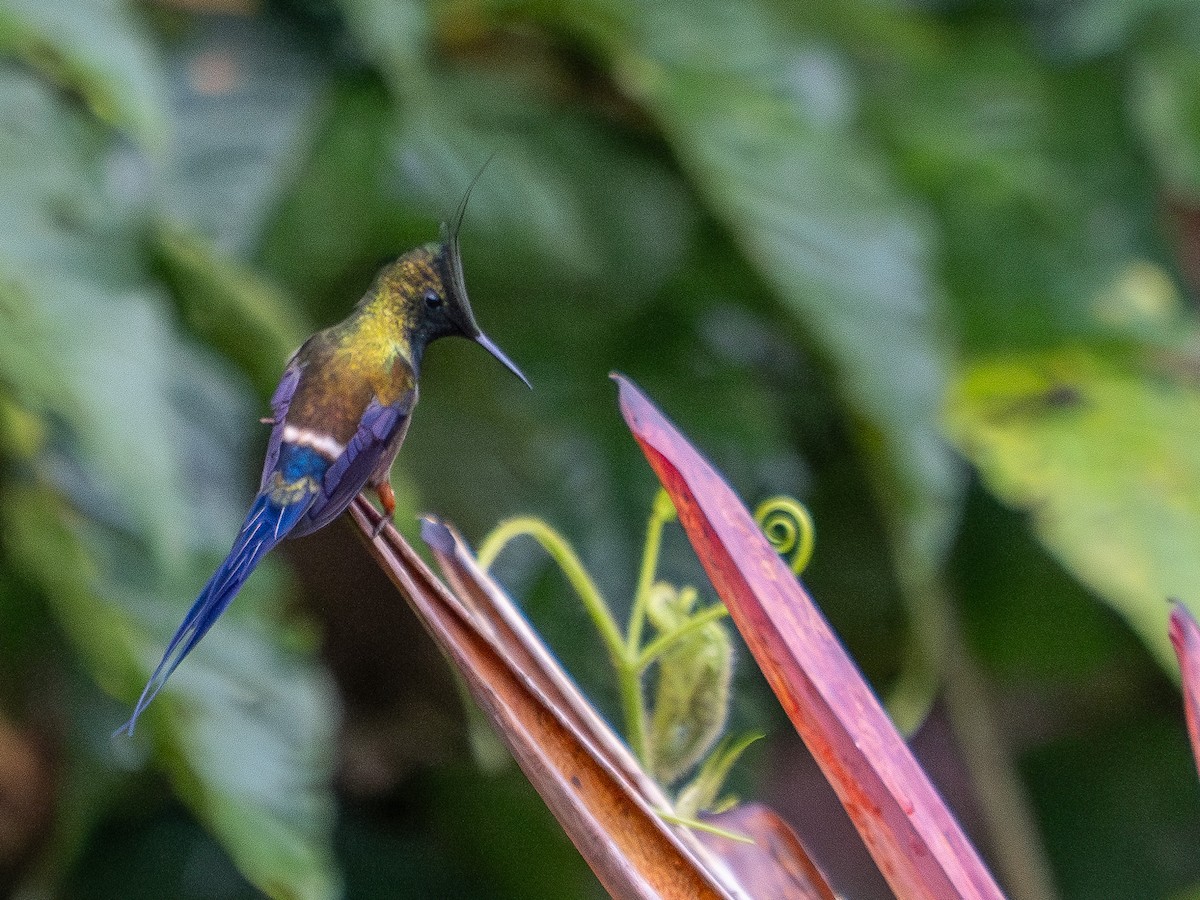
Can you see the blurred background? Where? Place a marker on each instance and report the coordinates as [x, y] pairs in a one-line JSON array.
[[928, 265]]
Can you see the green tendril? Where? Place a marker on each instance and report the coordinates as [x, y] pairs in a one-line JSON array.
[[624, 660], [560, 551], [662, 512], [788, 526], [698, 825], [693, 663]]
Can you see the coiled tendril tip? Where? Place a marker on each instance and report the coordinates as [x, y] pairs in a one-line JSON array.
[[787, 524]]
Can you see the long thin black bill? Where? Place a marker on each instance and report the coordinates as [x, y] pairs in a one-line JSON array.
[[487, 344]]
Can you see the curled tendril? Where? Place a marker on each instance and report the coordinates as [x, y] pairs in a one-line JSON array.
[[788, 526]]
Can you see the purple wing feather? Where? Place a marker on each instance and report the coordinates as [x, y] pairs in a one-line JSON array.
[[280, 401], [378, 431]]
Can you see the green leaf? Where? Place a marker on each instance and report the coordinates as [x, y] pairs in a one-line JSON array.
[[125, 430], [135, 492], [540, 193], [396, 35], [231, 306], [97, 49], [1165, 97], [243, 92], [1091, 28], [764, 123], [344, 180], [28, 365], [67, 211], [1042, 204], [388, 178], [245, 727], [71, 285], [1102, 454]]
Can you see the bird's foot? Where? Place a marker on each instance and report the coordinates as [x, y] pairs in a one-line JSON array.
[[387, 500]]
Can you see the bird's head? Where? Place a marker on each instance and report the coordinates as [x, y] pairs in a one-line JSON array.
[[425, 290], [428, 295]]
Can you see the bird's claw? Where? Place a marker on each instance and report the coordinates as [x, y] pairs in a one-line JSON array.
[[387, 500]]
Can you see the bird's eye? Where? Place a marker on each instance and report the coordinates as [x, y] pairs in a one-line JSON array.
[[432, 299]]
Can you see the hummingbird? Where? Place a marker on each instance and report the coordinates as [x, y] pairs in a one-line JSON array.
[[339, 416]]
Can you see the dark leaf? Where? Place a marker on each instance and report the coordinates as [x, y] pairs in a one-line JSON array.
[[244, 730], [762, 119], [97, 49]]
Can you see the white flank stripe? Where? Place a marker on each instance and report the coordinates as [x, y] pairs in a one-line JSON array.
[[324, 444]]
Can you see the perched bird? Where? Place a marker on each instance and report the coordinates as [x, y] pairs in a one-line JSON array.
[[339, 417]]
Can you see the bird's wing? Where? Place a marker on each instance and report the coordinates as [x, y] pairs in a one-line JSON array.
[[279, 408], [378, 432]]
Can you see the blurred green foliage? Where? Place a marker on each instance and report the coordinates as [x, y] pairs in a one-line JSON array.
[[850, 247]]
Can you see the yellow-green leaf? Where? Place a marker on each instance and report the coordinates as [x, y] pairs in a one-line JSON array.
[[691, 699], [1102, 453]]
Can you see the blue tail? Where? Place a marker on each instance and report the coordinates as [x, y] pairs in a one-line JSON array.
[[266, 525]]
